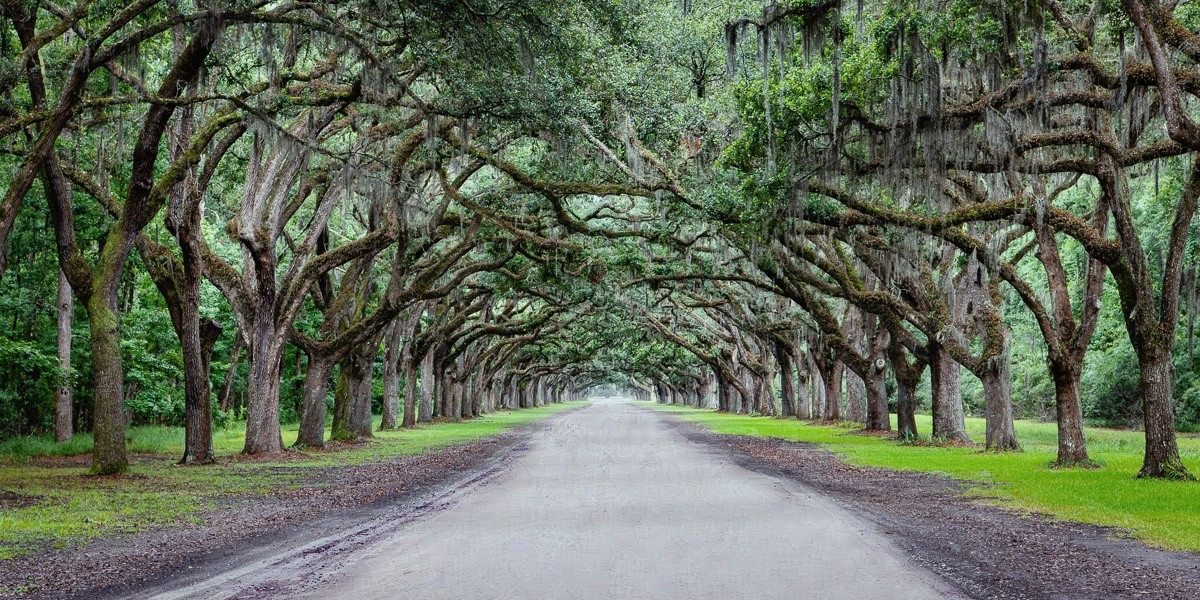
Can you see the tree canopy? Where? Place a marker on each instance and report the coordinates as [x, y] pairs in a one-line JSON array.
[[804, 208]]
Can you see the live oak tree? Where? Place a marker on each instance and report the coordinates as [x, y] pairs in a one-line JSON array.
[[766, 207]]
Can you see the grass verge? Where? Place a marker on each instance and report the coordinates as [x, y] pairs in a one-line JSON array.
[[1160, 513], [47, 498]]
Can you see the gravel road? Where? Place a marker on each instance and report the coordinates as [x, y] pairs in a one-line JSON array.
[[607, 502]]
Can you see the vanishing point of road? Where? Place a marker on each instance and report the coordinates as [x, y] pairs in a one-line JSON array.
[[606, 502]]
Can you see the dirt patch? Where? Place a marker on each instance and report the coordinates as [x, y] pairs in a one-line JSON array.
[[85, 460], [940, 443], [12, 500], [838, 424], [243, 527], [879, 433], [988, 551], [55, 462], [285, 455]]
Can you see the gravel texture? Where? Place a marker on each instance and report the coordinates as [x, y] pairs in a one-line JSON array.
[[988, 551]]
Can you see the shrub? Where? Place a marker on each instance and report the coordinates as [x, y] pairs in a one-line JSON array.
[[29, 377]]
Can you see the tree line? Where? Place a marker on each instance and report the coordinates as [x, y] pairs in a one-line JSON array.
[[908, 175]]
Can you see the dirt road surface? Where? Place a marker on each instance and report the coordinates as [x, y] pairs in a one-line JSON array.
[[607, 502]]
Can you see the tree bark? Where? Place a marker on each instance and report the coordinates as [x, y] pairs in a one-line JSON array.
[[723, 399], [703, 392], [447, 410], [906, 410], [949, 422], [235, 354], [907, 377], [197, 338], [997, 390], [352, 399], [803, 394], [428, 387], [108, 429], [878, 417], [475, 403], [455, 400], [63, 409], [856, 398], [766, 392], [979, 305], [833, 391], [410, 391], [854, 330], [471, 396], [313, 410], [1162, 452], [391, 377], [360, 413], [263, 434]]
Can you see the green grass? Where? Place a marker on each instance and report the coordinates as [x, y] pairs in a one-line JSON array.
[[1160, 513], [145, 439], [66, 506]]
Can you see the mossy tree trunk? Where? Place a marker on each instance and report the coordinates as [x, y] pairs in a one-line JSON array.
[[97, 285], [949, 422], [878, 417], [391, 377], [428, 388], [908, 375], [64, 425], [410, 391], [314, 407], [108, 383]]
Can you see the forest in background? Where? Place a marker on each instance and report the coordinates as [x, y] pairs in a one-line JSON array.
[[309, 212]]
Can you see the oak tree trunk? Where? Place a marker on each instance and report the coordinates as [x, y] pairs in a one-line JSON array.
[[263, 435], [949, 422], [108, 428], [456, 399], [391, 377], [428, 387], [878, 418], [235, 353], [856, 398], [803, 394], [1162, 452], [197, 336], [1072, 448], [352, 398], [360, 407], [997, 391], [315, 403], [906, 409], [832, 411], [63, 409], [723, 400], [410, 391]]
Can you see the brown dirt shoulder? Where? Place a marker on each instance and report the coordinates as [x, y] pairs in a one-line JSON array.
[[247, 527], [987, 550]]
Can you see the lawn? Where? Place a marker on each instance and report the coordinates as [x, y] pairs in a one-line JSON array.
[[47, 497], [1161, 513]]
